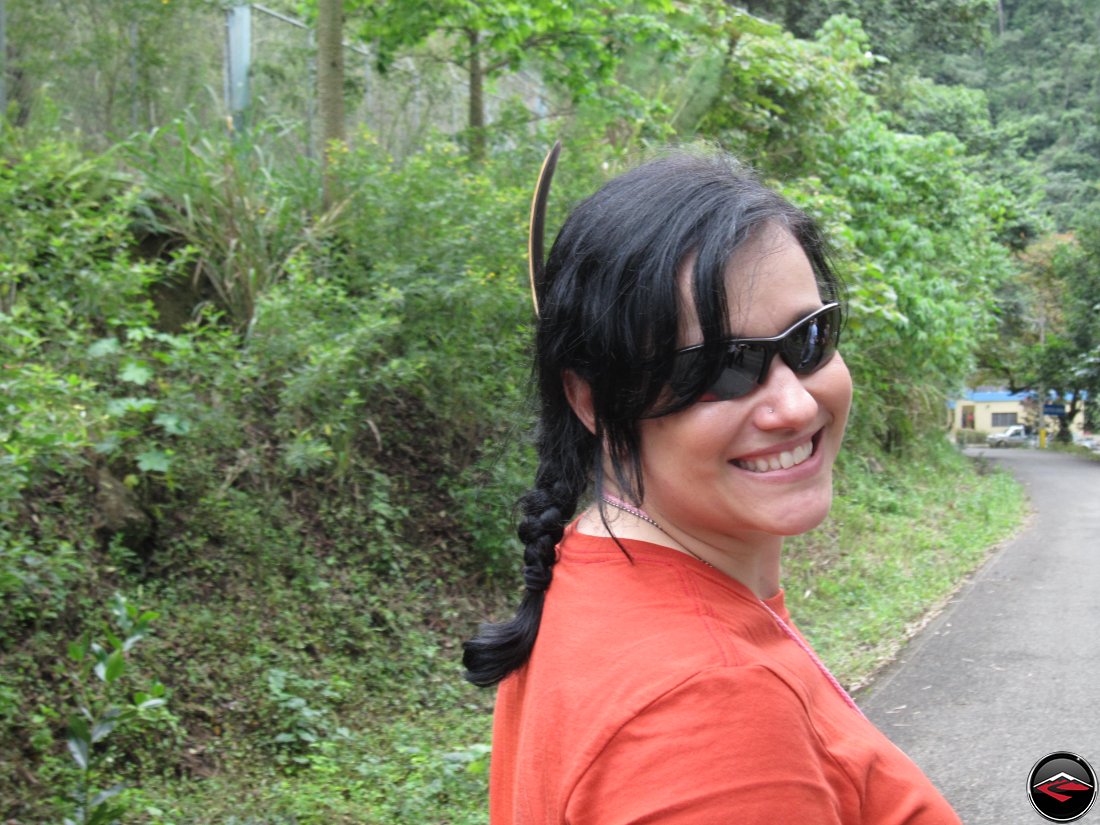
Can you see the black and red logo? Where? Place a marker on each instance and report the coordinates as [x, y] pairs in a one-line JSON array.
[[1062, 786]]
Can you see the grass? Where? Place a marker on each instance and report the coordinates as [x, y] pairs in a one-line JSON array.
[[426, 767], [900, 540]]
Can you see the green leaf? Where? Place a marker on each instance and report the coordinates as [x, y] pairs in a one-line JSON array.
[[79, 650], [108, 445], [103, 728], [103, 796], [116, 665], [113, 640], [79, 750], [104, 346], [118, 407], [172, 424], [154, 461], [105, 814], [135, 372], [79, 741]]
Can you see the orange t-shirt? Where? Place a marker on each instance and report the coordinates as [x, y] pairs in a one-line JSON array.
[[662, 691]]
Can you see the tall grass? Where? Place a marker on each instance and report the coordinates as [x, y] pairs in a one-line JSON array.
[[234, 215]]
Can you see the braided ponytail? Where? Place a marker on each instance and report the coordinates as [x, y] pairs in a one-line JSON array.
[[565, 460]]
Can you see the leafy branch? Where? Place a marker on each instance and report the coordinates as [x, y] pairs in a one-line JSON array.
[[100, 667]]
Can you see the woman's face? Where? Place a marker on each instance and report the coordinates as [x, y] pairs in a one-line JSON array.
[[710, 470]]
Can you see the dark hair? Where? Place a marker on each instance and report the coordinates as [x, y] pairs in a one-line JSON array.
[[610, 311]]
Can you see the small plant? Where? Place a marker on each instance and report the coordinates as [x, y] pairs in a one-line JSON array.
[[99, 670], [301, 722]]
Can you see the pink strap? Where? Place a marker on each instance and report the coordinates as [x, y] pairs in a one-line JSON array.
[[813, 657]]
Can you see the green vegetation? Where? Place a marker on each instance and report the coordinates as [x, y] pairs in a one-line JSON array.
[[293, 430], [898, 541]]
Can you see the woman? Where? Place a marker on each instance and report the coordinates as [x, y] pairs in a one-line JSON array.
[[692, 394]]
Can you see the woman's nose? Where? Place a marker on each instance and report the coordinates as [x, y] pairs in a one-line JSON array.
[[783, 400]]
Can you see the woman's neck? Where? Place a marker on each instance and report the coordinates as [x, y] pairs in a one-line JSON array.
[[753, 560]]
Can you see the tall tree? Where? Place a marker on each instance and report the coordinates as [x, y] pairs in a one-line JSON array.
[[3, 63], [1049, 337], [330, 88], [576, 45]]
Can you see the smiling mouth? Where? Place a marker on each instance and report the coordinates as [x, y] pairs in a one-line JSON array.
[[783, 460]]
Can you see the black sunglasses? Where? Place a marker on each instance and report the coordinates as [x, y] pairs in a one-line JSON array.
[[805, 348]]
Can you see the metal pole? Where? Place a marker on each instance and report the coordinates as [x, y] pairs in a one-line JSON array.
[[1042, 384], [238, 29]]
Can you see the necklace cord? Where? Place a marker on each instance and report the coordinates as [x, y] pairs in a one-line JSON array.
[[619, 504]]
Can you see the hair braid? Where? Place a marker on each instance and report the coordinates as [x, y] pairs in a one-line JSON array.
[[562, 477]]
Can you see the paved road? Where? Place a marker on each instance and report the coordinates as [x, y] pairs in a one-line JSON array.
[[1010, 671]]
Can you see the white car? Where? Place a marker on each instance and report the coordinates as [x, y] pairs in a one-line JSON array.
[[1014, 435]]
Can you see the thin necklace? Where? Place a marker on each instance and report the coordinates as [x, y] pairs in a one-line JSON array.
[[619, 504], [813, 657]]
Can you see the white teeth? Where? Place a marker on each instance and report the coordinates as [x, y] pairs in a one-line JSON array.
[[780, 461]]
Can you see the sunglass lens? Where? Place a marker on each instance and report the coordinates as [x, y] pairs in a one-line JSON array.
[[810, 345], [740, 374]]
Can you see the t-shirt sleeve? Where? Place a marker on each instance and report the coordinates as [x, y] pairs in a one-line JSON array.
[[728, 745]]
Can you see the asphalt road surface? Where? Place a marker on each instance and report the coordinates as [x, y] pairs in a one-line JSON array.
[[1010, 670]]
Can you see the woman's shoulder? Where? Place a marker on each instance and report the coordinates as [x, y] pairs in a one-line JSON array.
[[643, 616], [642, 584]]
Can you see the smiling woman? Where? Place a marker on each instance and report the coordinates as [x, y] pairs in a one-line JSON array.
[[693, 402]]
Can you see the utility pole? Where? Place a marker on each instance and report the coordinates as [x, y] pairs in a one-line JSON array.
[[1042, 383]]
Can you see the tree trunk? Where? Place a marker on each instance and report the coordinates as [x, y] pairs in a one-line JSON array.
[[1001, 18], [330, 90], [20, 98], [16, 95], [477, 98], [3, 64]]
